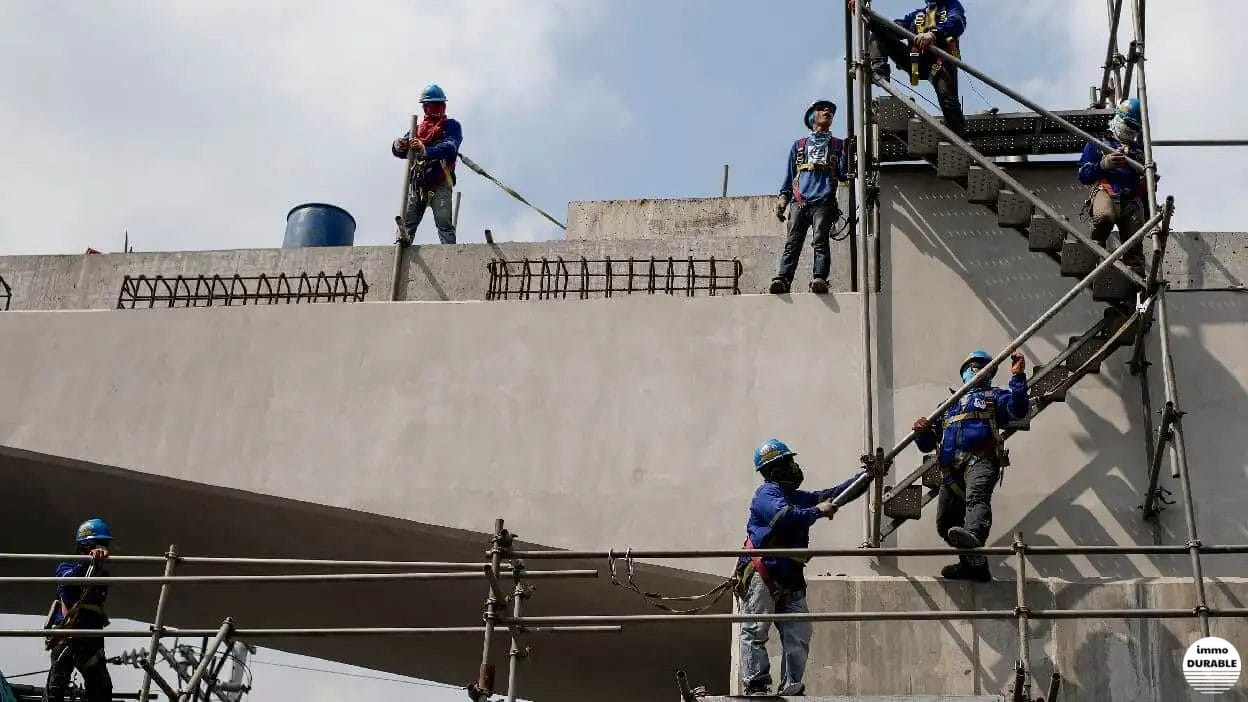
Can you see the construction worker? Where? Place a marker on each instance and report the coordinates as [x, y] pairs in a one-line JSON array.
[[939, 22], [780, 517], [815, 165], [437, 148], [971, 457], [1119, 191], [81, 607]]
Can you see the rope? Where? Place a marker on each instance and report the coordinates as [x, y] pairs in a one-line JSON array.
[[482, 172], [972, 82], [656, 600]]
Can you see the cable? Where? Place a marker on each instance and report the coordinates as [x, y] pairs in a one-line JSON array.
[[360, 675], [926, 98], [983, 99], [26, 675]]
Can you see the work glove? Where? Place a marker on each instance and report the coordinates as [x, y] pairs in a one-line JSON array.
[[924, 40], [1018, 364], [826, 508], [1113, 160], [781, 206], [921, 424]]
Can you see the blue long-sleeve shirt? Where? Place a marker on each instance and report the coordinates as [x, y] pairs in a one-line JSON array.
[[70, 594], [950, 19], [441, 155], [781, 518], [816, 185], [974, 435], [1123, 182]]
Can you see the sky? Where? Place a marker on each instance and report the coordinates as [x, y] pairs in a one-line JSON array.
[[198, 124]]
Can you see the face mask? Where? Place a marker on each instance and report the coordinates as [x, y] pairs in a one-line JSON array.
[[790, 477], [1123, 133]]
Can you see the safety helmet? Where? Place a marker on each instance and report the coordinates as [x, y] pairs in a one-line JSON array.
[[432, 93], [92, 531], [769, 452], [1129, 111], [978, 355], [816, 106]]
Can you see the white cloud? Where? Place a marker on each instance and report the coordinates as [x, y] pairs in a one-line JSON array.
[[198, 124]]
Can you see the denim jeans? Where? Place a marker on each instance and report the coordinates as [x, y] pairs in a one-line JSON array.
[[965, 498], [794, 637], [439, 200], [820, 216]]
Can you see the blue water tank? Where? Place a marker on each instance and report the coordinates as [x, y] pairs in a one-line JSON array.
[[318, 224]]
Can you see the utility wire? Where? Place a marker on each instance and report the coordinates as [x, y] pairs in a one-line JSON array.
[[358, 675], [25, 675]]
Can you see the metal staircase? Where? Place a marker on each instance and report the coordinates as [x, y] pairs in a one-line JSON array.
[[905, 136]]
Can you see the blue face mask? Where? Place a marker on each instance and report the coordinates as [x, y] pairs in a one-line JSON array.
[[968, 374]]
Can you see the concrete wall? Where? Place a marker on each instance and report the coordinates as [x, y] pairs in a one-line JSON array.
[[716, 217], [1100, 660], [428, 273]]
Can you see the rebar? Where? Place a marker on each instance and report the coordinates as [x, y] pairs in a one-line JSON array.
[[171, 560], [882, 21]]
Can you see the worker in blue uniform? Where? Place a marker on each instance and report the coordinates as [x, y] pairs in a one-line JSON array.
[[938, 22], [971, 454], [781, 516], [816, 163], [1118, 190], [432, 179], [81, 607]]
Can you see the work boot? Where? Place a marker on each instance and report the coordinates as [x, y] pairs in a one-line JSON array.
[[965, 571], [959, 537], [794, 690], [819, 286], [779, 286], [757, 691]]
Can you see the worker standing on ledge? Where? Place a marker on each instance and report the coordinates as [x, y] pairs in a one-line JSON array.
[[780, 517], [436, 144], [81, 607], [1118, 190], [971, 457], [938, 22], [815, 165]]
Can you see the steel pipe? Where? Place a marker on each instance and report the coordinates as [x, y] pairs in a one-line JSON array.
[[206, 659], [1020, 609], [1200, 142], [893, 27], [207, 560], [1111, 51], [656, 554], [171, 560], [929, 615], [401, 241], [308, 632], [308, 578]]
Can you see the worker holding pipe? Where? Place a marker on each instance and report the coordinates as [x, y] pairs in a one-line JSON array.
[[939, 23], [432, 179], [781, 516], [1118, 190], [81, 607], [972, 455]]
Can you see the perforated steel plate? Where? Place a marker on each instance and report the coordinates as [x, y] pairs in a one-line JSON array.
[[905, 504], [1077, 259], [951, 161], [1013, 210], [1112, 284], [921, 138], [1044, 234], [981, 186]]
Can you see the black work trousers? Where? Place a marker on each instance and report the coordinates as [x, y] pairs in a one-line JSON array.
[[820, 216], [965, 499], [885, 45], [87, 655]]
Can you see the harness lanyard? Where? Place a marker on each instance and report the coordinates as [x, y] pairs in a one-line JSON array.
[[923, 22]]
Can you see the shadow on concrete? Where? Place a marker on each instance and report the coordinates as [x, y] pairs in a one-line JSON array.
[[414, 259], [48, 496], [1016, 286]]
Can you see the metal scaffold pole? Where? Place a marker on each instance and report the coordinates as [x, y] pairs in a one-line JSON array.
[[401, 241], [1022, 688], [171, 560], [851, 133]]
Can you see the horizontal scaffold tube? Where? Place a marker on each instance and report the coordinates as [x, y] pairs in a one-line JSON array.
[[301, 578], [875, 552], [215, 561], [921, 615], [275, 633]]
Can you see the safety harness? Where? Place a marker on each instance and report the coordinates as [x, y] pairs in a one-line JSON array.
[[70, 621], [995, 447], [756, 565], [802, 163], [923, 22]]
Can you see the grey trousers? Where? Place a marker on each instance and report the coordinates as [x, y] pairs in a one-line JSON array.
[[438, 200]]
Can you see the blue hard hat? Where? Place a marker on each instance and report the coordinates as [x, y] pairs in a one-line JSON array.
[[977, 355], [770, 451], [1129, 111], [814, 106], [432, 93], [93, 530]]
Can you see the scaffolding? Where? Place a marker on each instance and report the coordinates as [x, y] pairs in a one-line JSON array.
[[506, 569]]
